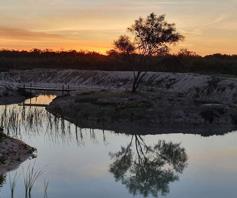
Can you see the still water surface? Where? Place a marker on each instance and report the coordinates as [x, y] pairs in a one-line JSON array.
[[94, 163]]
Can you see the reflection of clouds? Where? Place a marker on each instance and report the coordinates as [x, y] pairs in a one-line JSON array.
[[41, 99], [223, 159], [100, 170]]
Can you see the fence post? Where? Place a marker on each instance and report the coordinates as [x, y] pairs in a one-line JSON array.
[[68, 90], [30, 88], [63, 90]]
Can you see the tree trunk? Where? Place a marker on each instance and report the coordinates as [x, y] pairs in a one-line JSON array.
[[137, 78]]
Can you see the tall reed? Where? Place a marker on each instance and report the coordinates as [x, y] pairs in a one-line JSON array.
[[46, 185], [30, 177], [12, 183]]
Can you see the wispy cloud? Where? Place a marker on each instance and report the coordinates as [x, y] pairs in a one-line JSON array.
[[23, 34]]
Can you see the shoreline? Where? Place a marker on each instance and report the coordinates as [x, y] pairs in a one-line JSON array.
[[144, 114], [9, 100]]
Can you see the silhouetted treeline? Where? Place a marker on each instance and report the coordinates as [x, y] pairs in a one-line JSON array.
[[51, 59], [217, 63]]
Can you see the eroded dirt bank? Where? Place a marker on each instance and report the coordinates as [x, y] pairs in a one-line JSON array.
[[187, 83], [204, 87]]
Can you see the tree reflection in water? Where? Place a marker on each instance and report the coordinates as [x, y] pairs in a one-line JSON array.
[[2, 180], [149, 169]]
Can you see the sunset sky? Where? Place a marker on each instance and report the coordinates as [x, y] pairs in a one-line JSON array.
[[210, 26]]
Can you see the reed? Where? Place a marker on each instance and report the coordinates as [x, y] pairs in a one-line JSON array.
[[46, 185], [30, 177], [12, 183]]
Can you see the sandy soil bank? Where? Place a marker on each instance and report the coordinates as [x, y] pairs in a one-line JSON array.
[[209, 87], [205, 87]]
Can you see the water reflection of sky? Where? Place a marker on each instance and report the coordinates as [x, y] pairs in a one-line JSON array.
[[80, 168]]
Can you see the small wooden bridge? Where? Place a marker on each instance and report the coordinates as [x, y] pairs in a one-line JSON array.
[[65, 89], [33, 105]]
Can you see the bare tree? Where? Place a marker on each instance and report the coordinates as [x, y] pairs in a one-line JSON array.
[[151, 37]]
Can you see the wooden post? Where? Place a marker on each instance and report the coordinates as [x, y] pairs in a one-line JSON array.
[[30, 88], [68, 90], [62, 90]]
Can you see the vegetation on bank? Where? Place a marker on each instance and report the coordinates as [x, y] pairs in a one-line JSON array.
[[216, 63]]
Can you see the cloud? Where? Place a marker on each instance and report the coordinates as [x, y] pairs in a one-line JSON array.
[[93, 40], [23, 34]]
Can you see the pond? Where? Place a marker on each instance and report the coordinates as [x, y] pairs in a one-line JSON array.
[[95, 163]]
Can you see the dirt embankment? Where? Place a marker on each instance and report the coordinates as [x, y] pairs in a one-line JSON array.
[[166, 100], [192, 85], [204, 87]]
